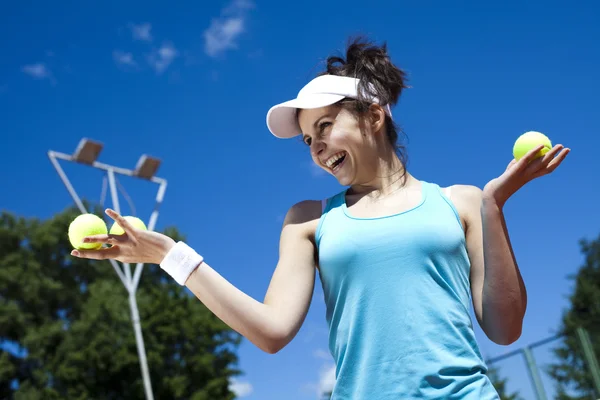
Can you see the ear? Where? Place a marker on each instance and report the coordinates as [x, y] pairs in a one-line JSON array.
[[377, 117]]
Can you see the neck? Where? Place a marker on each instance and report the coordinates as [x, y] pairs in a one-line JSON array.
[[387, 177]]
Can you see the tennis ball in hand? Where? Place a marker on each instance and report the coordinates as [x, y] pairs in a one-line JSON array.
[[86, 225], [528, 141], [135, 221]]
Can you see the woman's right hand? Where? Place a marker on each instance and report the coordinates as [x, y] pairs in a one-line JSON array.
[[133, 246]]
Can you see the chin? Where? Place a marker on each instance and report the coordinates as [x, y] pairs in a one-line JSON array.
[[344, 181]]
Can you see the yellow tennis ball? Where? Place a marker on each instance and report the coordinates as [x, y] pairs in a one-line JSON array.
[[528, 141], [135, 221], [86, 225]]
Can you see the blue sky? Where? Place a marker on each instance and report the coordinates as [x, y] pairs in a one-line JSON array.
[[191, 84]]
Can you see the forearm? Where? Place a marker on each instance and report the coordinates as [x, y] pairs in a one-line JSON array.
[[247, 316], [504, 297]]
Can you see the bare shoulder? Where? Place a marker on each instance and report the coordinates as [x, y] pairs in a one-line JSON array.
[[466, 199], [465, 193], [303, 216], [303, 211]]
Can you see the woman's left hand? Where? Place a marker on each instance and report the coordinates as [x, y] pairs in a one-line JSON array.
[[518, 173]]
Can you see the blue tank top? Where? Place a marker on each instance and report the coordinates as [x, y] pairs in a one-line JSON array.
[[397, 299]]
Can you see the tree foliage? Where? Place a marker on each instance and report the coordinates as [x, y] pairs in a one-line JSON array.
[[500, 384], [570, 372], [66, 330]]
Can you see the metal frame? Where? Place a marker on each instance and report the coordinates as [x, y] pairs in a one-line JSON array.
[[86, 153], [533, 369]]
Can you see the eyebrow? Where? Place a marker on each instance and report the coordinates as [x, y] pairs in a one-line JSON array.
[[316, 123]]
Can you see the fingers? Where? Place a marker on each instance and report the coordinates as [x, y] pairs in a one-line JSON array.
[[532, 166], [553, 151], [530, 156], [553, 161], [101, 254], [543, 162], [525, 162], [556, 161], [533, 163], [102, 238], [511, 164], [123, 223]]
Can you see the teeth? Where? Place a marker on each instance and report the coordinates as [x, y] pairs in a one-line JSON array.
[[334, 158]]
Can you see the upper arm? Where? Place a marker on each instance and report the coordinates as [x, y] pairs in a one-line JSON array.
[[467, 200], [291, 287]]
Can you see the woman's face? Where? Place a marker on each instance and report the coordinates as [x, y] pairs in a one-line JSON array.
[[339, 143]]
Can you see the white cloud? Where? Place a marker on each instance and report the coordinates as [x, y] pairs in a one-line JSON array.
[[322, 354], [141, 31], [123, 58], [223, 32], [163, 57], [159, 58], [241, 389], [326, 380], [38, 71]]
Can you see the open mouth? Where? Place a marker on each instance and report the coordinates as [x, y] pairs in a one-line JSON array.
[[335, 162]]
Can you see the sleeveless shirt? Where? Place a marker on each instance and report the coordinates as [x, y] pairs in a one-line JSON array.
[[397, 294]]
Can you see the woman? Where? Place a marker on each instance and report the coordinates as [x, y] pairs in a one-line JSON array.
[[401, 259]]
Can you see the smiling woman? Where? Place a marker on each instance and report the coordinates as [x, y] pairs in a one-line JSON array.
[[401, 260], [372, 80]]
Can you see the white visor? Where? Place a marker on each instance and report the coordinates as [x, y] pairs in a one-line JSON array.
[[322, 91]]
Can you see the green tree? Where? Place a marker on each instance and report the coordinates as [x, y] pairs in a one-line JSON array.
[[66, 331], [570, 372], [500, 384]]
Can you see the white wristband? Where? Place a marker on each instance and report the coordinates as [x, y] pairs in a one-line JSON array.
[[180, 262]]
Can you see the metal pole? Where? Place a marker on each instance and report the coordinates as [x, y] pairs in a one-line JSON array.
[[66, 182], [117, 207], [131, 289], [139, 338], [160, 194], [531, 346], [534, 375], [130, 283], [590, 357]]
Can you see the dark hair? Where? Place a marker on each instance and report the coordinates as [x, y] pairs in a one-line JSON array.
[[379, 77]]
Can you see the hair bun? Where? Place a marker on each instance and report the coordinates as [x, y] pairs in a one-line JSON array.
[[371, 64]]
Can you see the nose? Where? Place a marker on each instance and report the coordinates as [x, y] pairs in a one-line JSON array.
[[318, 146]]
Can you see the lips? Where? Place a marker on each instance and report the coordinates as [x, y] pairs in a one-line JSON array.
[[335, 160]]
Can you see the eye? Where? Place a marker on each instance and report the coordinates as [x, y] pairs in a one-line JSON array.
[[307, 140], [323, 125]]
